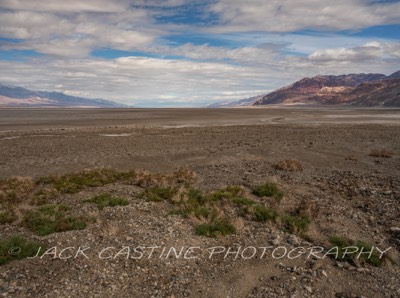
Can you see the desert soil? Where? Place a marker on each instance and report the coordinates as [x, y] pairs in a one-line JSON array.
[[347, 192]]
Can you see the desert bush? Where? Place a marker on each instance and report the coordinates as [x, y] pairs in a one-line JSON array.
[[7, 216], [107, 200], [25, 247], [159, 194], [289, 165], [50, 219], [15, 190], [342, 242], [269, 190], [185, 175], [75, 182], [43, 196], [263, 214], [297, 223], [351, 157], [228, 192], [381, 153], [218, 226]]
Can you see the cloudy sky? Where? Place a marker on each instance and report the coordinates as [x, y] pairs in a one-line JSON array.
[[191, 52]]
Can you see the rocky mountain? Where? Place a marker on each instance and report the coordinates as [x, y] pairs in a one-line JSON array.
[[235, 104], [353, 89], [13, 96]]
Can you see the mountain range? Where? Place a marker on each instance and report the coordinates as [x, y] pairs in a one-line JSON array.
[[13, 96], [353, 89]]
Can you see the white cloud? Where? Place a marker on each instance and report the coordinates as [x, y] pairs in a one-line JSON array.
[[66, 6], [370, 51], [253, 63], [75, 33], [292, 15]]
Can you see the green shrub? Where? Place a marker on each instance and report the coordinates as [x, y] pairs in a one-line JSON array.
[[228, 192], [342, 242], [218, 226], [159, 194], [17, 248], [52, 219], [75, 182], [269, 190], [263, 214], [297, 223], [43, 196], [107, 200], [7, 216]]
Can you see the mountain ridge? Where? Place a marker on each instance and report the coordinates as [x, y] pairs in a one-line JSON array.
[[16, 96], [369, 90]]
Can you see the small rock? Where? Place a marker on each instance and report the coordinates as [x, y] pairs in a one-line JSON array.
[[309, 289]]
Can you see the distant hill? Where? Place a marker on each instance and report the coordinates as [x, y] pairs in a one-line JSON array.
[[13, 96], [353, 89], [239, 103]]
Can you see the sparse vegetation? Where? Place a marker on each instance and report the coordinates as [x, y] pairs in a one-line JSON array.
[[297, 223], [15, 190], [343, 242], [243, 201], [17, 248], [218, 226], [159, 194], [43, 196], [269, 190], [381, 153], [351, 157], [292, 165], [50, 219], [107, 200], [75, 182], [7, 216], [263, 214], [228, 192]]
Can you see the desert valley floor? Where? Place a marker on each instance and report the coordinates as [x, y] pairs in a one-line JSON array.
[[341, 183]]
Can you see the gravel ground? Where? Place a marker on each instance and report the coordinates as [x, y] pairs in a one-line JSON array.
[[346, 191]]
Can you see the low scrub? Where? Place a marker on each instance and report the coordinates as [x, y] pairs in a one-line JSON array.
[[297, 223], [7, 216], [268, 190], [218, 226], [15, 190], [263, 214], [228, 192], [107, 200], [75, 182], [17, 248], [381, 153], [43, 196], [159, 194], [343, 242], [292, 165], [50, 219]]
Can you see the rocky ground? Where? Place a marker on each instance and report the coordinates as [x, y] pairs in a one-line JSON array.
[[343, 190]]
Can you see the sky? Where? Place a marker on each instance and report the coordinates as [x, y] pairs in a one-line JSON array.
[[182, 53]]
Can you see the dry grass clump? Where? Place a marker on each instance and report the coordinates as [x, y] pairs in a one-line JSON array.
[[15, 190], [75, 182], [292, 165], [381, 153], [351, 157], [181, 176]]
